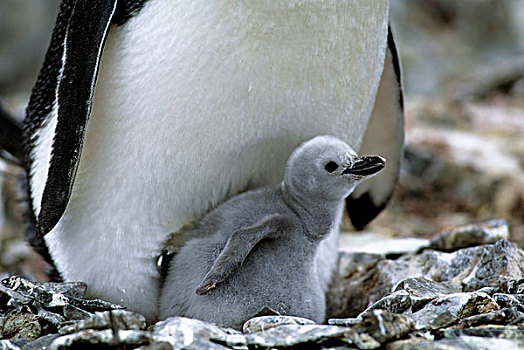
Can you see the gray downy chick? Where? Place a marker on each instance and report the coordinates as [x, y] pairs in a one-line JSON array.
[[257, 250]]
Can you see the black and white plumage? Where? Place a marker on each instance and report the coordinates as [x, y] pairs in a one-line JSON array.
[[257, 250], [195, 101]]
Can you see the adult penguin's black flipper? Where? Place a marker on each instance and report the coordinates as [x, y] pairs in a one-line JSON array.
[[60, 105], [385, 136]]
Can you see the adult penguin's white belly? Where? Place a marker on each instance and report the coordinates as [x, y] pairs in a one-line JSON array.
[[196, 101]]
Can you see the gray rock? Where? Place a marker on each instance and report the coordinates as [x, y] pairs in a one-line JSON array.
[[202, 344], [180, 332], [510, 300], [512, 286], [465, 342], [422, 290], [40, 343], [491, 331], [295, 335], [21, 324], [378, 327], [262, 323], [451, 308], [470, 235], [52, 295], [115, 319], [504, 317], [364, 279], [347, 295], [157, 346], [102, 338], [15, 344]]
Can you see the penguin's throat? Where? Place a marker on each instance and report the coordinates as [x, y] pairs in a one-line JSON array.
[[317, 218]]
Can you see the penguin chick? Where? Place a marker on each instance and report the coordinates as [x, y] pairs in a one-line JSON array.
[[257, 250]]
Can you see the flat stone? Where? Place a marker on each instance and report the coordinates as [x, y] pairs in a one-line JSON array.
[[422, 290], [449, 309], [347, 296], [378, 327], [157, 346], [181, 332], [51, 295], [491, 331], [115, 319], [14, 344], [465, 342], [262, 323], [21, 324], [41, 343], [470, 235], [363, 279], [294, 335], [510, 300], [99, 338], [504, 316]]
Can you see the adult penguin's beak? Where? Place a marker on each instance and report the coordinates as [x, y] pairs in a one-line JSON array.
[[365, 166]]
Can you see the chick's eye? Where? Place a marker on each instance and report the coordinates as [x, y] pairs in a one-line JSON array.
[[331, 166]]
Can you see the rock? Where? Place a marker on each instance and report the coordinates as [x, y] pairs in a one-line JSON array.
[[15, 344], [379, 327], [465, 342], [116, 319], [52, 296], [181, 332], [347, 295], [295, 335], [363, 279], [470, 235], [422, 290], [449, 309], [102, 338], [510, 300], [158, 346], [21, 324], [490, 331], [504, 316], [262, 323], [40, 343]]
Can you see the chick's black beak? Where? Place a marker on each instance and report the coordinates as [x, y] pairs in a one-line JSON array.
[[366, 166]]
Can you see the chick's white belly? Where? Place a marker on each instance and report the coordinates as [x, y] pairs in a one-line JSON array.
[[172, 135]]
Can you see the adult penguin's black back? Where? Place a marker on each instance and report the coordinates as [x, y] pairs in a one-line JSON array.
[[195, 101]]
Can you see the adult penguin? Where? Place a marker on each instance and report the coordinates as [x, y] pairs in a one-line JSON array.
[[195, 101]]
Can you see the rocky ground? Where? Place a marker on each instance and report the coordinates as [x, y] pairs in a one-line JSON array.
[[463, 290], [424, 275]]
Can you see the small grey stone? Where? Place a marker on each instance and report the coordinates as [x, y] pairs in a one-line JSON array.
[[156, 346], [21, 324], [41, 343], [98, 338], [49, 296], [14, 344], [378, 327], [115, 319], [202, 344], [465, 342], [449, 309], [510, 300], [292, 335], [262, 323], [512, 286], [182, 331], [51, 318], [471, 235], [422, 290], [504, 316], [491, 331]]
